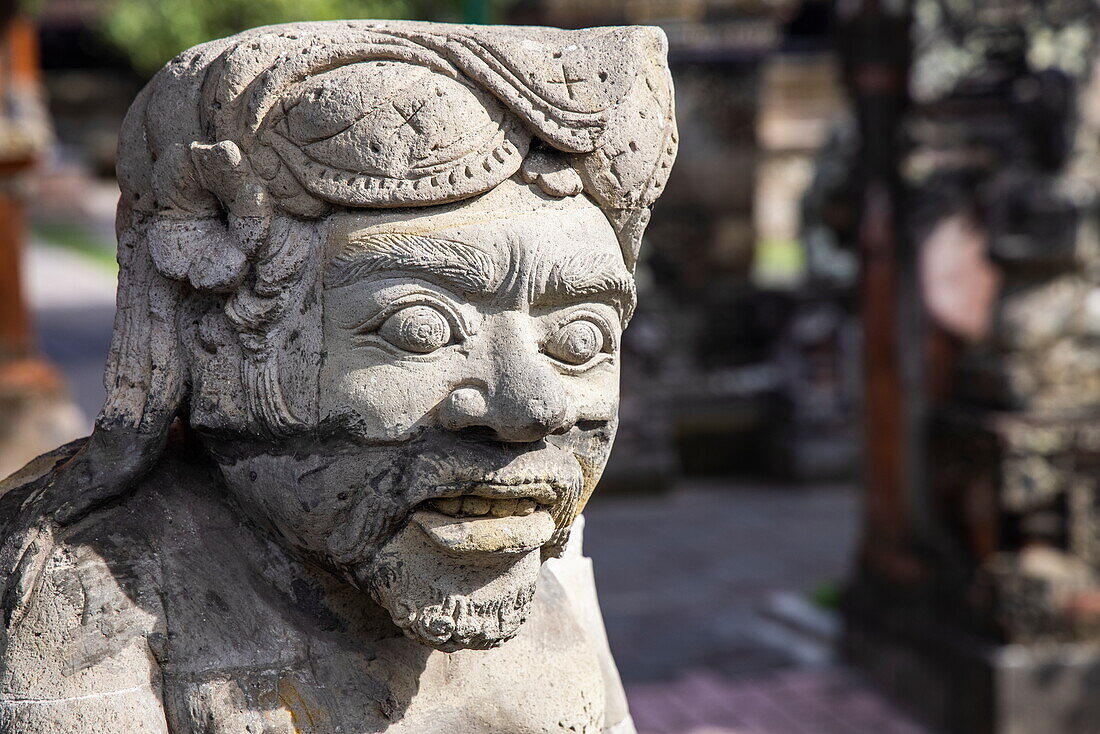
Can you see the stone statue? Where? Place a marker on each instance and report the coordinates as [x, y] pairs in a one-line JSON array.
[[364, 377]]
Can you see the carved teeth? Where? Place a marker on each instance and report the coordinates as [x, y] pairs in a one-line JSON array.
[[449, 506], [503, 508], [476, 506], [473, 506]]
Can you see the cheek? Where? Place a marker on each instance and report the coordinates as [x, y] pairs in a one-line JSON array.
[[591, 450], [595, 395], [388, 400], [281, 490], [326, 504]]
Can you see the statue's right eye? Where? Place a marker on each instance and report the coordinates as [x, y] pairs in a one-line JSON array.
[[419, 329]]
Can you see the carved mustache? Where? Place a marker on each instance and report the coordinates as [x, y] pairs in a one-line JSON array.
[[353, 496], [544, 491], [548, 475]]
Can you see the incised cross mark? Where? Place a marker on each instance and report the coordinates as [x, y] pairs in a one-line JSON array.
[[409, 118], [567, 81]]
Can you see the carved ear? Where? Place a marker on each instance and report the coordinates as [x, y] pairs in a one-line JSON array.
[[224, 172], [227, 244]]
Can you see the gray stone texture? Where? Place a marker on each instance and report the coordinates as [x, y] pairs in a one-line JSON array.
[[363, 379]]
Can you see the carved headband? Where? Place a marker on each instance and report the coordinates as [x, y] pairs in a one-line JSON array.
[[389, 114]]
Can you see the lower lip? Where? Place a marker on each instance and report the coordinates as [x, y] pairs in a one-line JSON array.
[[499, 535]]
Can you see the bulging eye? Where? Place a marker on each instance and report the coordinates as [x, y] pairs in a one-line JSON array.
[[577, 342], [418, 329]]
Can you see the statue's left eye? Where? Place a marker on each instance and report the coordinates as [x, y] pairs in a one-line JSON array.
[[577, 342], [418, 329]]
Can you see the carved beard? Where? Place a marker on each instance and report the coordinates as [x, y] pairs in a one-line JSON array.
[[446, 602], [346, 506]]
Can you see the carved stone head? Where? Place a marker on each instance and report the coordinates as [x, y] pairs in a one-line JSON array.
[[382, 270]]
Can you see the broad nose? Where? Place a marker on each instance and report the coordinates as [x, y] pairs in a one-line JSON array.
[[512, 391]]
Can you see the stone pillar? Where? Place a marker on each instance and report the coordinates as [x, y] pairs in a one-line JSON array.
[[35, 414], [996, 631]]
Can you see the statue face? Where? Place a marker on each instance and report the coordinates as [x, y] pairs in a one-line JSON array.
[[468, 396]]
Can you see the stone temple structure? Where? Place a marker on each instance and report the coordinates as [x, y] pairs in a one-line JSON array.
[[978, 588], [364, 378]]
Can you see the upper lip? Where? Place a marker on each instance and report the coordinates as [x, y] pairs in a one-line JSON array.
[[541, 491]]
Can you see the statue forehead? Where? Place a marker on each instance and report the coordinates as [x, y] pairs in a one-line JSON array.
[[512, 222]]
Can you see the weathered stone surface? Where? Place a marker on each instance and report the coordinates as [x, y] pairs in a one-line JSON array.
[[364, 378]]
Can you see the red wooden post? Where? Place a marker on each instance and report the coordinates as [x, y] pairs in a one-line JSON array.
[[875, 54], [21, 369]]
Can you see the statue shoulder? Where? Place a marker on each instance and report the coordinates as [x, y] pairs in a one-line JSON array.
[[36, 469], [78, 618]]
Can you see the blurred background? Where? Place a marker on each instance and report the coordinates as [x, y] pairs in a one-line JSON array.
[[855, 487]]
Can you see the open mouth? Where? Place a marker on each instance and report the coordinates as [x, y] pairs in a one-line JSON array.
[[473, 506], [490, 518]]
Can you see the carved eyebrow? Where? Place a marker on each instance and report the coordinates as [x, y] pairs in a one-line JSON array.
[[461, 265], [592, 275]]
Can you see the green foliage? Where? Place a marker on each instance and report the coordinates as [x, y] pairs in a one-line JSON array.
[[828, 595], [79, 239], [150, 32]]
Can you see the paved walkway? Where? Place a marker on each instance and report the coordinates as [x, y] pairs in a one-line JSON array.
[[825, 701], [73, 301], [705, 594], [687, 579]]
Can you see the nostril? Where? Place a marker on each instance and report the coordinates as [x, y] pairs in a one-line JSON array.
[[521, 406], [478, 433]]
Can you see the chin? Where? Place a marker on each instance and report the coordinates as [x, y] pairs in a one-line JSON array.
[[450, 601]]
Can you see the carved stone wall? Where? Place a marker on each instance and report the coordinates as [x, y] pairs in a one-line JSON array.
[[998, 578], [1006, 138]]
